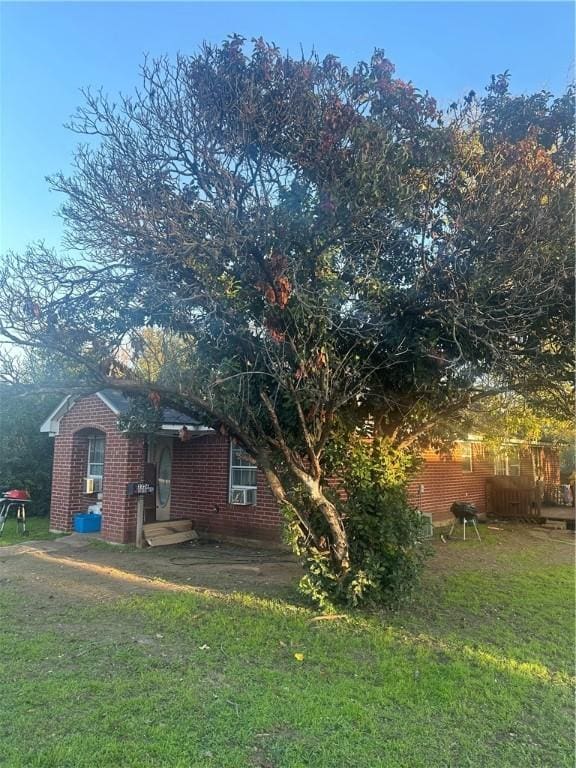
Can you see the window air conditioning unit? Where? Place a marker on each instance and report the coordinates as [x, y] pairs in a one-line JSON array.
[[243, 496]]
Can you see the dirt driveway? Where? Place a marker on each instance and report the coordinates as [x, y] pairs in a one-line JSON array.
[[79, 567]]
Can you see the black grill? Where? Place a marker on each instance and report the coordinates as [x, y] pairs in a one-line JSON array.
[[462, 510]]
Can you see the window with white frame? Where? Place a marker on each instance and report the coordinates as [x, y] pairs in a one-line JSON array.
[[507, 462], [500, 463], [95, 471], [513, 461], [466, 456], [242, 476]]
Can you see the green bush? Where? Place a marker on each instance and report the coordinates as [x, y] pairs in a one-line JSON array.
[[387, 553], [385, 533]]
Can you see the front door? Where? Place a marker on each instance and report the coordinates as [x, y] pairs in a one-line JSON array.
[[150, 498], [162, 458]]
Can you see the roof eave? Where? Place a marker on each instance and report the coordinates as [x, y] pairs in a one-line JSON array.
[[108, 404], [52, 423]]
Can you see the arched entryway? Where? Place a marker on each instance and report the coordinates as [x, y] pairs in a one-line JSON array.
[[87, 481]]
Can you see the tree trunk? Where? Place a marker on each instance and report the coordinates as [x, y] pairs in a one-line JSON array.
[[340, 548], [279, 493], [339, 544]]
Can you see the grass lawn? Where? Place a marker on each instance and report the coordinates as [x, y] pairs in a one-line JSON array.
[[476, 673], [36, 529]]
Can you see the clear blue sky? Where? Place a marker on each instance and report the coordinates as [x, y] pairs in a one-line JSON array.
[[48, 51]]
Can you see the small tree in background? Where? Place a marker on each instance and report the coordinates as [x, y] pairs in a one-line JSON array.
[[331, 252], [26, 453]]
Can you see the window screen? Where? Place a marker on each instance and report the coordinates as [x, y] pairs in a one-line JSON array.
[[242, 476], [96, 462], [466, 454]]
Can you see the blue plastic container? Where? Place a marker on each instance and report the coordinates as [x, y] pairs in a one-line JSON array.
[[86, 522]]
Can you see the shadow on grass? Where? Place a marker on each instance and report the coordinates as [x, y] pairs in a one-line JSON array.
[[177, 612]]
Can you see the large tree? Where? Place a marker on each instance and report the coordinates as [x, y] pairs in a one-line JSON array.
[[331, 250]]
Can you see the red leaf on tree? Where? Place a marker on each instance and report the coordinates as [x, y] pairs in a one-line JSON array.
[[268, 291], [283, 291], [276, 333], [300, 373], [321, 360], [154, 398], [184, 434]]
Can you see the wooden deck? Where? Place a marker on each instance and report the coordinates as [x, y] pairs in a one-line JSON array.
[[558, 513], [520, 498]]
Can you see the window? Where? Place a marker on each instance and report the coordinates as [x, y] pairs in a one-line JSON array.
[[164, 477], [466, 456], [514, 462], [507, 462], [242, 476], [95, 463], [500, 463]]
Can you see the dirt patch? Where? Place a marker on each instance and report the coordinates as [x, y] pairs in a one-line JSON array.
[[503, 546], [54, 583], [74, 569], [57, 574]]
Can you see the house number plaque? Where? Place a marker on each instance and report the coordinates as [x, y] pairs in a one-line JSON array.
[[139, 489]]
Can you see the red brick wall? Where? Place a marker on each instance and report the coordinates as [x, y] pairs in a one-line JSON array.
[[200, 491], [123, 463], [549, 461], [445, 481], [200, 480]]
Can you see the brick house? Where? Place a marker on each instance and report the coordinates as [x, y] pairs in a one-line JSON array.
[[205, 478], [462, 474], [209, 479]]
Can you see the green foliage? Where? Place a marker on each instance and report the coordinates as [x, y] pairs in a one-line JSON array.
[[387, 550], [312, 244], [514, 118], [141, 418], [159, 355], [386, 544], [509, 416], [26, 453], [375, 463]]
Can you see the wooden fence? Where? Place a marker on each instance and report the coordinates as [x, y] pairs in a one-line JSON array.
[[517, 498]]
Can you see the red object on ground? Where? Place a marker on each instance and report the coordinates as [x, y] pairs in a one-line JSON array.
[[16, 494]]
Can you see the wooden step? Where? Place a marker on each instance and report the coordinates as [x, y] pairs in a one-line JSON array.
[[172, 538], [169, 532], [167, 526]]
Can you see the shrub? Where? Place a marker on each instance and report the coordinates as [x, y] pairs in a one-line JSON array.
[[387, 548]]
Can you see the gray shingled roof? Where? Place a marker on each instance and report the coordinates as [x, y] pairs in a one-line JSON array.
[[121, 403]]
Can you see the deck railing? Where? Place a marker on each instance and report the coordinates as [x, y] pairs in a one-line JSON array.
[[557, 495], [522, 498], [512, 497]]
